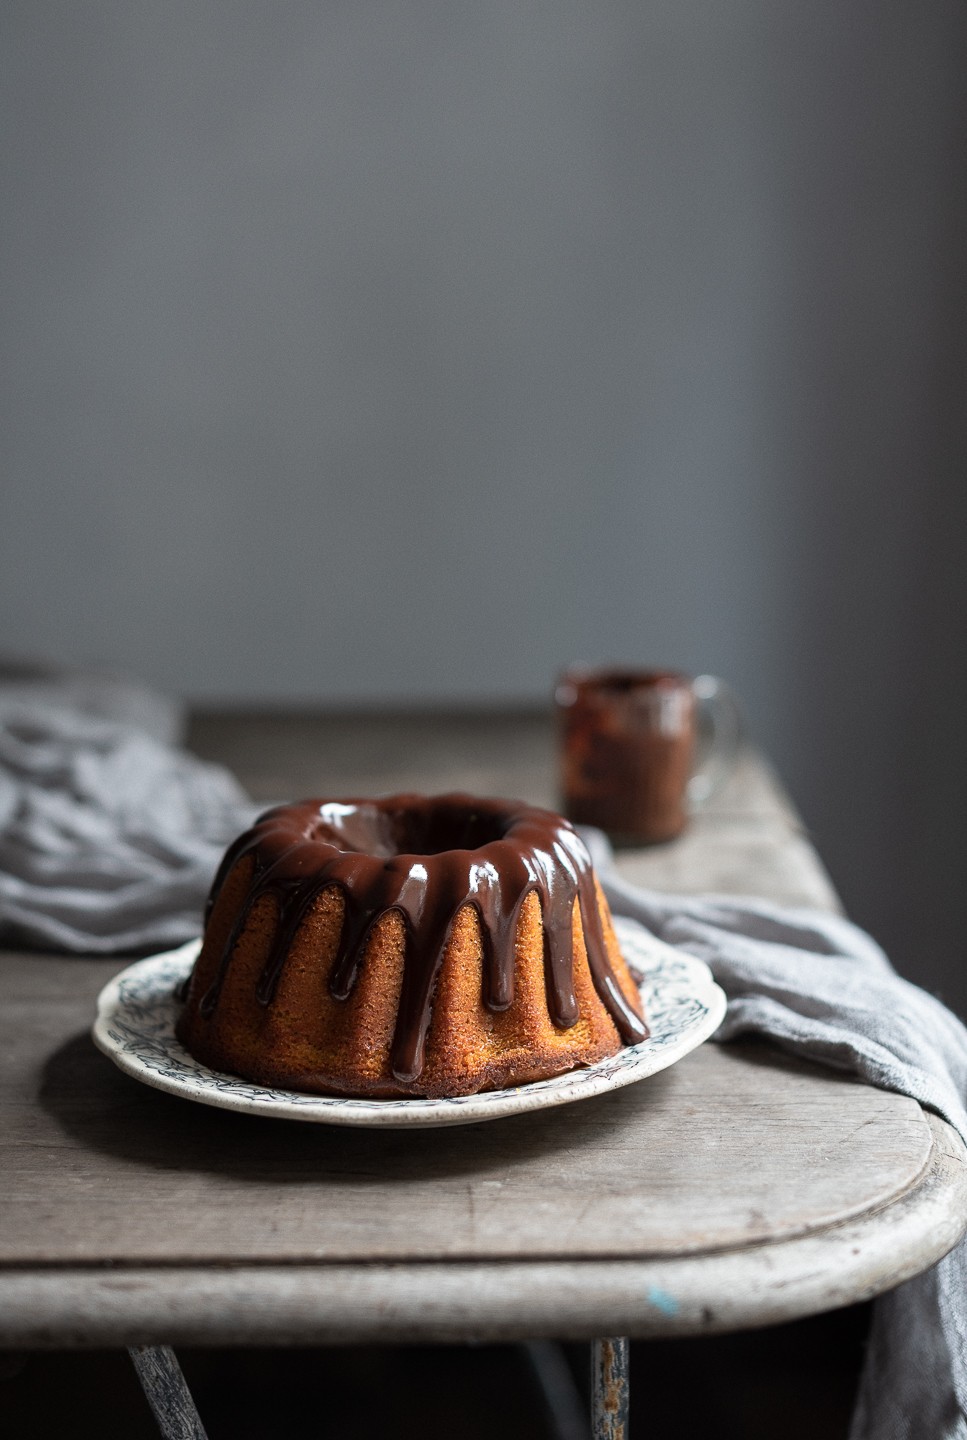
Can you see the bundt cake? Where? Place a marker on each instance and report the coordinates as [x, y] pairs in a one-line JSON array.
[[407, 946]]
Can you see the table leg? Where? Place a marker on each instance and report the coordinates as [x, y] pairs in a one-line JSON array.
[[567, 1413], [609, 1389], [167, 1392]]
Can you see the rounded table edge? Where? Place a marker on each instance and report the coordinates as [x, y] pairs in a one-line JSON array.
[[759, 1285]]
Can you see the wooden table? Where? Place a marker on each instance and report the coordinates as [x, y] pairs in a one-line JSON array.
[[737, 1189]]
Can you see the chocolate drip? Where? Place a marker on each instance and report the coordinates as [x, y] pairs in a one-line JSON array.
[[426, 858]]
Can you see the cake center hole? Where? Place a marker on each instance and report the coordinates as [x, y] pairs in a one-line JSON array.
[[419, 829], [433, 831]]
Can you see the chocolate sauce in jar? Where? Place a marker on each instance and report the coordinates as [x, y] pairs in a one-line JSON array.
[[627, 742]]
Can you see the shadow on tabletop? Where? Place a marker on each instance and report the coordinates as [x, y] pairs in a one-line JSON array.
[[796, 1380], [109, 1112]]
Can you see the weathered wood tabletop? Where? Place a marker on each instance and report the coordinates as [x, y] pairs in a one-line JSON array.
[[737, 1188]]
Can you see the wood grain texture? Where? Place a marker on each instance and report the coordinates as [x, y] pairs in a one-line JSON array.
[[167, 1393], [497, 1300], [731, 1146], [736, 1188]]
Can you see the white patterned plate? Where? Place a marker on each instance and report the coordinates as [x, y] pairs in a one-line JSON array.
[[136, 1019]]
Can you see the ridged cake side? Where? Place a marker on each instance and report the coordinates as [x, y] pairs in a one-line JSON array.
[[280, 996]]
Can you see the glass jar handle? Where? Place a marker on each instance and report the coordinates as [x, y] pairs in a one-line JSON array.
[[719, 726]]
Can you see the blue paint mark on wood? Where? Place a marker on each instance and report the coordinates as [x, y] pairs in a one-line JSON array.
[[662, 1301]]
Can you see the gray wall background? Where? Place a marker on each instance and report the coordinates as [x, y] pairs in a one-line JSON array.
[[404, 352]]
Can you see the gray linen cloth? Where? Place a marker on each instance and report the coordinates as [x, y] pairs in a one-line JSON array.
[[110, 836], [820, 987]]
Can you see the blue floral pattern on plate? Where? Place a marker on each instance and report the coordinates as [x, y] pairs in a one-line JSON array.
[[137, 1011]]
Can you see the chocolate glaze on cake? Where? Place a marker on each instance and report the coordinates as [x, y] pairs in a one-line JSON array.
[[427, 857]]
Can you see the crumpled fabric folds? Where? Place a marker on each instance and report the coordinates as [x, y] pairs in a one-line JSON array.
[[821, 988], [109, 837]]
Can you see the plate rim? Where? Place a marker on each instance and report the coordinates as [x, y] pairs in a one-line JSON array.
[[270, 1102]]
